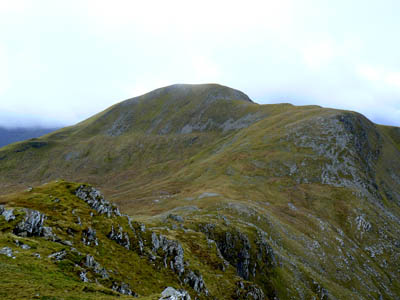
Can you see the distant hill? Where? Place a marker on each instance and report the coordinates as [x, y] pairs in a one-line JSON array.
[[12, 135]]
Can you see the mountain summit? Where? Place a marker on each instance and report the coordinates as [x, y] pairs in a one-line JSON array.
[[273, 201]]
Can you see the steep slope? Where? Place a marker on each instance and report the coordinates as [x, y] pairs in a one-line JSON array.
[[302, 202], [9, 136]]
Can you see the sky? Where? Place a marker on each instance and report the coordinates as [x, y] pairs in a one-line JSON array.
[[63, 61]]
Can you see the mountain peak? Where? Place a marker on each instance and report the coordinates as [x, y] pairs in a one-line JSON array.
[[178, 108], [204, 91]]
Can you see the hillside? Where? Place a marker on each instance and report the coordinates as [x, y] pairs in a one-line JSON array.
[[12, 135], [278, 200]]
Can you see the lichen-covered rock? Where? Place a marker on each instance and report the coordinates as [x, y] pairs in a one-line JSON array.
[[89, 237], [32, 225], [96, 201], [121, 237], [172, 294]]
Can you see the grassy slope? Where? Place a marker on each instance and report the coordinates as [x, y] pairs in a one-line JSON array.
[[269, 176]]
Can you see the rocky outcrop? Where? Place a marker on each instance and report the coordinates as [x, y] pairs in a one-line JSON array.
[[92, 264], [172, 294], [172, 255], [121, 237], [254, 259], [171, 251], [96, 201], [195, 280], [32, 225]]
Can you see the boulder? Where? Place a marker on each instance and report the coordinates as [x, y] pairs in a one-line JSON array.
[[172, 294]]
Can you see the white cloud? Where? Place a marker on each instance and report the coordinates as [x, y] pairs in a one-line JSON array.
[[319, 53]]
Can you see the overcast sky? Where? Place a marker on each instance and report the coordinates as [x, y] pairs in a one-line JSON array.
[[62, 61]]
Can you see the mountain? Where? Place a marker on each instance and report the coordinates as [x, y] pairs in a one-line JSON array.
[[12, 135], [273, 201]]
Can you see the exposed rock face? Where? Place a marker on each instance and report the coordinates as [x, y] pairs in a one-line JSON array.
[[196, 282], [172, 294], [171, 250], [120, 237], [96, 201], [347, 146], [236, 248], [172, 254], [89, 237], [32, 225]]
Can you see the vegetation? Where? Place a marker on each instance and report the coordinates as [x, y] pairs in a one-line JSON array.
[[300, 202]]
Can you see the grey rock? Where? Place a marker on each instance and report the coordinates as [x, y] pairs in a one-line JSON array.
[[67, 243], [196, 282], [123, 288], [172, 294], [176, 218], [91, 263], [7, 251], [47, 233], [96, 201], [83, 276], [121, 237], [171, 250], [207, 195], [249, 291], [8, 214], [32, 225], [89, 237], [58, 255], [22, 245]]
